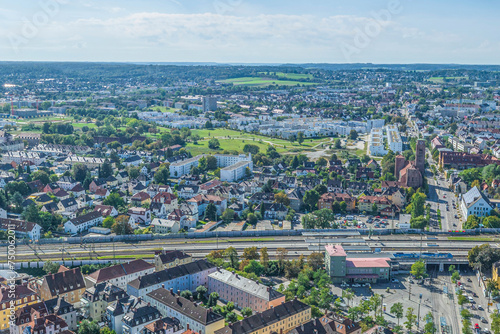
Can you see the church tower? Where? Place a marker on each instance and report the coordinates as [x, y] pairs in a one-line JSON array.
[[420, 156]]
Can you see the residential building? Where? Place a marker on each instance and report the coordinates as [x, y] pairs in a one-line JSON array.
[[329, 323], [130, 315], [83, 223], [121, 274], [171, 258], [190, 314], [21, 228], [280, 319], [67, 283], [183, 277], [237, 171], [25, 316], [97, 298], [18, 297], [243, 292], [474, 202]]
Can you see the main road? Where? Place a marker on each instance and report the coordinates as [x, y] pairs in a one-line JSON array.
[[441, 197]]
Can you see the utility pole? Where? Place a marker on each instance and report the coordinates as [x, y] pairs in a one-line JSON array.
[[418, 317]]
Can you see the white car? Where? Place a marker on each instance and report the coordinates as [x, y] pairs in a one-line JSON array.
[[356, 285], [395, 280]]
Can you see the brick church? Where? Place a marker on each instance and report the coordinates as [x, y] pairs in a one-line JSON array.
[[411, 173]]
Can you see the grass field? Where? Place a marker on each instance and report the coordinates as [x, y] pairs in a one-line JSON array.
[[481, 239], [263, 82], [441, 79], [291, 76]]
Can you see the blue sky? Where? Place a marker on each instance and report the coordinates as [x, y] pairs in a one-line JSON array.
[[251, 31]]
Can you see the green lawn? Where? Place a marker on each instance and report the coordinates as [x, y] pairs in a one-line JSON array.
[[291, 76], [481, 239], [165, 109], [262, 82], [441, 79]]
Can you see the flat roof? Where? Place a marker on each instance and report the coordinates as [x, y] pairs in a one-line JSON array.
[[335, 250]]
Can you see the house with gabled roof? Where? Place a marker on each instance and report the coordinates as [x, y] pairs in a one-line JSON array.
[[67, 283], [121, 274]]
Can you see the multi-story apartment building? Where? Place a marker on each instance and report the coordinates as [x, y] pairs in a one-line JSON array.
[[183, 277], [243, 292], [19, 297], [191, 314], [171, 258], [280, 319], [121, 274], [68, 283]]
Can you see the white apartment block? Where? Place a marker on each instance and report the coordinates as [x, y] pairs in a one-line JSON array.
[[394, 138], [236, 171], [183, 167]]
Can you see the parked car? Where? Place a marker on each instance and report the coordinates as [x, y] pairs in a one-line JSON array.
[[395, 280], [469, 280], [356, 285], [483, 320], [479, 307]]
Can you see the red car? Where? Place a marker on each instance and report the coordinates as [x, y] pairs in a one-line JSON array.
[[476, 326]]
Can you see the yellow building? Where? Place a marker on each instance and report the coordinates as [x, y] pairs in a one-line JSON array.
[[280, 319], [496, 275], [171, 258], [12, 299]]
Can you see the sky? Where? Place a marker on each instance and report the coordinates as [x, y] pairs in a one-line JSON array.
[[251, 31]]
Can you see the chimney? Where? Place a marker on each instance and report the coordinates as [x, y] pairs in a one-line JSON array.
[[295, 298], [172, 291], [191, 298], [149, 304], [163, 286], [314, 322], [179, 292], [177, 298], [268, 289], [236, 275]]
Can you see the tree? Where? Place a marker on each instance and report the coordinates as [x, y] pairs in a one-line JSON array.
[[106, 169], [162, 174], [211, 162], [311, 198], [213, 144], [228, 215], [397, 310], [201, 290], [264, 258], [232, 255], [50, 267], [282, 198], [254, 267], [108, 222], [418, 269], [281, 254], [429, 327], [252, 219], [186, 294], [300, 138], [455, 276], [251, 253], [231, 317], [212, 299], [410, 318], [115, 200], [353, 135], [337, 144], [89, 327], [42, 176], [211, 212], [250, 148], [121, 226], [246, 311], [495, 322], [376, 302], [316, 260], [106, 330], [79, 172]]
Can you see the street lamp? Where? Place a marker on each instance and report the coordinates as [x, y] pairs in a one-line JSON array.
[[418, 317]]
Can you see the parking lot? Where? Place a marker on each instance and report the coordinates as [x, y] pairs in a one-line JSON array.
[[436, 295], [366, 221]]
